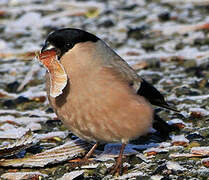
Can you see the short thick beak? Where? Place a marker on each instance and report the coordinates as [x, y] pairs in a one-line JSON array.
[[46, 47]]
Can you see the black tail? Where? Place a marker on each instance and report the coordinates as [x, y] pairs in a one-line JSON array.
[[162, 127], [153, 95]]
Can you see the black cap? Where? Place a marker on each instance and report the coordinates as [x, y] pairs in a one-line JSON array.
[[67, 38]]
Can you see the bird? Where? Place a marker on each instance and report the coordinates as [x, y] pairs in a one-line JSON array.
[[95, 93]]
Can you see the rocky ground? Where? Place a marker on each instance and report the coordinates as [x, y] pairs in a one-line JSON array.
[[166, 41]]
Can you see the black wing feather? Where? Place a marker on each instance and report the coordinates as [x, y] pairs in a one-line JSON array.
[[153, 95]]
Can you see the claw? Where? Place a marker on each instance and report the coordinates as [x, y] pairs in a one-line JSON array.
[[117, 169], [86, 158]]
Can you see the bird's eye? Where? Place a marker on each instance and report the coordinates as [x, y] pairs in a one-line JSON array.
[[69, 45]]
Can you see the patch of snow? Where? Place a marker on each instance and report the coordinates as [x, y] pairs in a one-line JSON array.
[[142, 157], [22, 120], [158, 150], [164, 145], [25, 22], [13, 133], [179, 138], [203, 171], [176, 121], [204, 150], [21, 175], [201, 97], [61, 134], [156, 177], [33, 126], [131, 175], [35, 112], [6, 127], [72, 175], [203, 112], [174, 166], [90, 166]]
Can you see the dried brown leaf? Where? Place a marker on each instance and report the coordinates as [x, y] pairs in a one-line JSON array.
[[23, 175], [23, 56], [132, 53], [180, 140], [204, 151], [29, 76], [6, 95], [180, 155], [183, 29], [140, 65], [194, 2], [179, 125], [24, 142], [151, 153], [180, 143], [71, 175], [69, 150], [194, 152], [196, 114]]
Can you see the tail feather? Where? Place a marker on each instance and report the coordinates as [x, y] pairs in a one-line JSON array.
[[162, 127], [153, 95]]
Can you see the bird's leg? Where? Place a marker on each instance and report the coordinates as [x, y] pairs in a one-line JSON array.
[[86, 157], [117, 168], [90, 151]]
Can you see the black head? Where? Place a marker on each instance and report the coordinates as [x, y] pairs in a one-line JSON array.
[[65, 39]]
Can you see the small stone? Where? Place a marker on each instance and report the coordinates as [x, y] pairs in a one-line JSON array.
[[140, 65], [12, 87], [137, 33], [151, 153], [9, 104], [180, 140], [160, 169], [49, 110], [39, 99], [196, 114], [157, 177], [21, 99], [205, 162], [194, 136], [203, 83], [165, 16], [107, 23], [190, 63], [148, 46], [203, 172], [201, 41], [174, 166], [193, 144], [72, 175], [185, 90], [128, 7], [132, 53], [204, 151], [179, 46], [179, 125]]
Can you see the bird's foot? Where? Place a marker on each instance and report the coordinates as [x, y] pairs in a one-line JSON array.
[[86, 158], [74, 163], [81, 160], [116, 170]]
